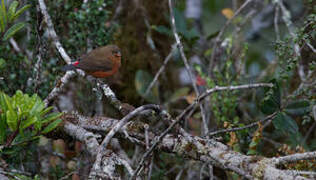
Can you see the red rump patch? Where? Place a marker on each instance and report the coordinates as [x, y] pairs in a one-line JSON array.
[[200, 81], [75, 63]]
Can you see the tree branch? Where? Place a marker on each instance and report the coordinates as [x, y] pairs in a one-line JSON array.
[[52, 32]]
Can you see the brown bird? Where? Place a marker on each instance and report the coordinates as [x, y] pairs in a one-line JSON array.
[[100, 62]]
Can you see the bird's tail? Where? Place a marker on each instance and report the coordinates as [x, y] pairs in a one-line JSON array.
[[70, 67]]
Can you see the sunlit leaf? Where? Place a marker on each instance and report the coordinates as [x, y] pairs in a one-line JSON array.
[[190, 98], [30, 121], [11, 115], [51, 117], [51, 126], [37, 107], [228, 13], [46, 110]]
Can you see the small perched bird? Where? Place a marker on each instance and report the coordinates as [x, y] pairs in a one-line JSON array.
[[100, 62]]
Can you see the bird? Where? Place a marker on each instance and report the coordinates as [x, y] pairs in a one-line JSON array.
[[100, 62]]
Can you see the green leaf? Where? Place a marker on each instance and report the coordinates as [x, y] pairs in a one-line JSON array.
[[11, 11], [3, 103], [51, 117], [3, 125], [142, 81], [12, 120], [298, 108], [213, 35], [37, 108], [191, 34], [52, 126], [2, 63], [11, 114], [2, 17], [285, 123], [3, 128], [296, 139], [27, 123], [162, 29], [12, 30], [20, 11], [253, 144], [180, 20], [46, 110], [251, 152], [272, 99]]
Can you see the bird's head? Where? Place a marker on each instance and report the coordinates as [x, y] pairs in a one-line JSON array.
[[116, 52]]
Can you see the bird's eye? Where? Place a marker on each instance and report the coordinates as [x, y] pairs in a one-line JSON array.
[[116, 53]]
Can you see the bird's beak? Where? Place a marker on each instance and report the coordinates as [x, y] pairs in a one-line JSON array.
[[118, 54]]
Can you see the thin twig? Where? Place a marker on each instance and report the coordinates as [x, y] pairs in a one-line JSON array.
[[274, 143], [148, 168], [310, 46], [58, 88], [15, 45], [111, 97], [295, 157], [123, 121], [185, 61], [198, 100], [117, 127], [178, 177], [221, 32], [162, 68], [276, 24], [211, 174], [286, 16], [271, 116], [310, 130], [296, 172], [67, 175]]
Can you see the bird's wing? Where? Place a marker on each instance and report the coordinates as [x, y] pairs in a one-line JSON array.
[[95, 61]]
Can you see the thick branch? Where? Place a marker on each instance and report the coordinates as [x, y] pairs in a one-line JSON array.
[[212, 152], [188, 109]]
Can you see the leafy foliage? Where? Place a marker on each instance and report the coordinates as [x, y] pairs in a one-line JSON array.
[[24, 118], [272, 99], [190, 34], [8, 16], [89, 24]]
